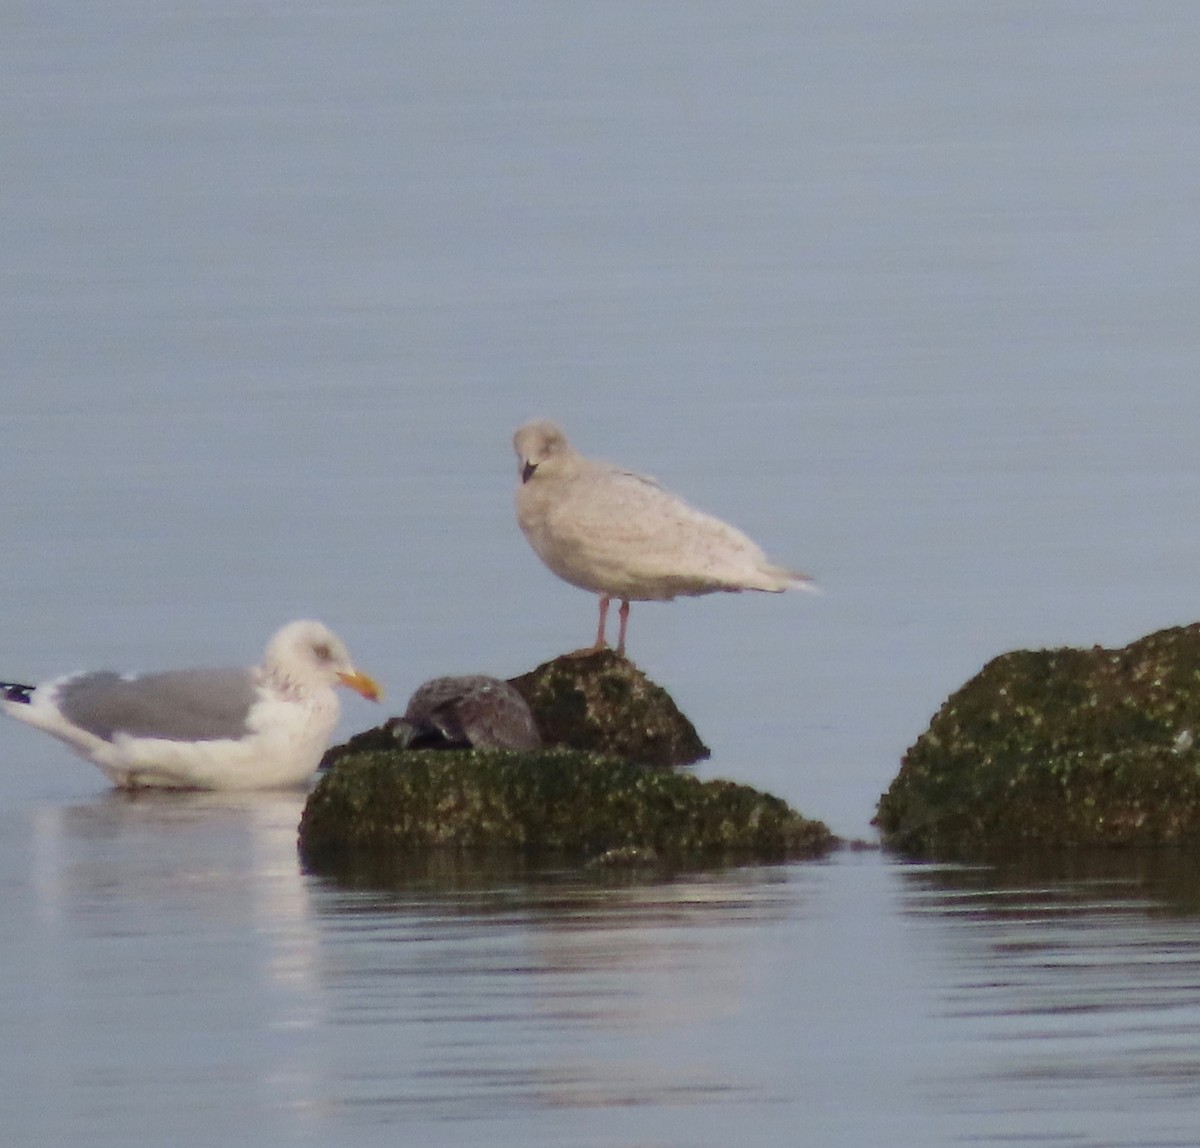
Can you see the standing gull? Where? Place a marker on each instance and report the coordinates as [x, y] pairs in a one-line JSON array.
[[621, 535], [260, 727]]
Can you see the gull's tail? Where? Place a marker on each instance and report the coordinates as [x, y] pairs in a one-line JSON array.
[[798, 581], [779, 578]]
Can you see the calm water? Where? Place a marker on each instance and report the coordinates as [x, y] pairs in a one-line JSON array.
[[173, 977], [907, 290]]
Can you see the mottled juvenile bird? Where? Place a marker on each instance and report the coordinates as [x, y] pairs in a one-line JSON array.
[[468, 711], [260, 727], [621, 535]]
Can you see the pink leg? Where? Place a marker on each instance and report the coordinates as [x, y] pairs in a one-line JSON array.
[[600, 640], [624, 615]]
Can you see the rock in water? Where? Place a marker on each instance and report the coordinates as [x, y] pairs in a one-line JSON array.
[[1066, 747], [604, 795], [595, 701], [600, 702], [550, 803]]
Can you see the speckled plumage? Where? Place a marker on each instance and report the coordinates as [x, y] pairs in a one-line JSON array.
[[470, 710], [622, 535]]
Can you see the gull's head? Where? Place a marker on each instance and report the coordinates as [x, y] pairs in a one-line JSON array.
[[537, 442], [310, 655]]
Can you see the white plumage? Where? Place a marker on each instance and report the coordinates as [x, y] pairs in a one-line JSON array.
[[260, 727], [621, 535]]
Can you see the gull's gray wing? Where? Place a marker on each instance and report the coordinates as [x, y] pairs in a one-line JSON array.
[[180, 705]]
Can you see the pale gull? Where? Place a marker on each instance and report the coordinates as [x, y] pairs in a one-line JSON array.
[[260, 727], [622, 535]]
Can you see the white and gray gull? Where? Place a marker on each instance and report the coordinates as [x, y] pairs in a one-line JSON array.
[[259, 727], [622, 535]]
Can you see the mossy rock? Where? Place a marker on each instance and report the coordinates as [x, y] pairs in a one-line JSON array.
[[595, 701], [1065, 747], [600, 702], [553, 802]]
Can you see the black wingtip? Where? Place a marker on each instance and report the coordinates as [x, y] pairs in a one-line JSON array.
[[16, 692]]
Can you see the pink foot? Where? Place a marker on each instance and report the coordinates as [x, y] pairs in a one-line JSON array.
[[624, 616], [601, 641]]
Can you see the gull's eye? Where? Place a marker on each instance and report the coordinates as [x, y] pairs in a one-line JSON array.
[[527, 471], [323, 652]]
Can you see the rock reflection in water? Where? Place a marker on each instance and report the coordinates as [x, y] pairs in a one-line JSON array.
[[493, 987], [1072, 981]]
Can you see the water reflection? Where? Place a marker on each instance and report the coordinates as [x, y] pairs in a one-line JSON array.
[[1073, 979], [497, 989], [172, 956], [460, 992], [169, 945], [233, 853], [444, 874], [1154, 880]]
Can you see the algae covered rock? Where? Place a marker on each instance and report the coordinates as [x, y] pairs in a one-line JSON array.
[[602, 794], [1065, 747], [561, 802], [600, 702], [595, 701]]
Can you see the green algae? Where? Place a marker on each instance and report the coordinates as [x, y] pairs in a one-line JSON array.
[[600, 702], [549, 803], [604, 797], [1063, 747], [595, 701]]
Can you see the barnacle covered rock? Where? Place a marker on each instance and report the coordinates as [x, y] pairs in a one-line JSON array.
[[601, 702], [1063, 747], [562, 803]]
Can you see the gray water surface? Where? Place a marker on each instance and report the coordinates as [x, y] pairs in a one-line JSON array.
[[173, 977], [908, 291]]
